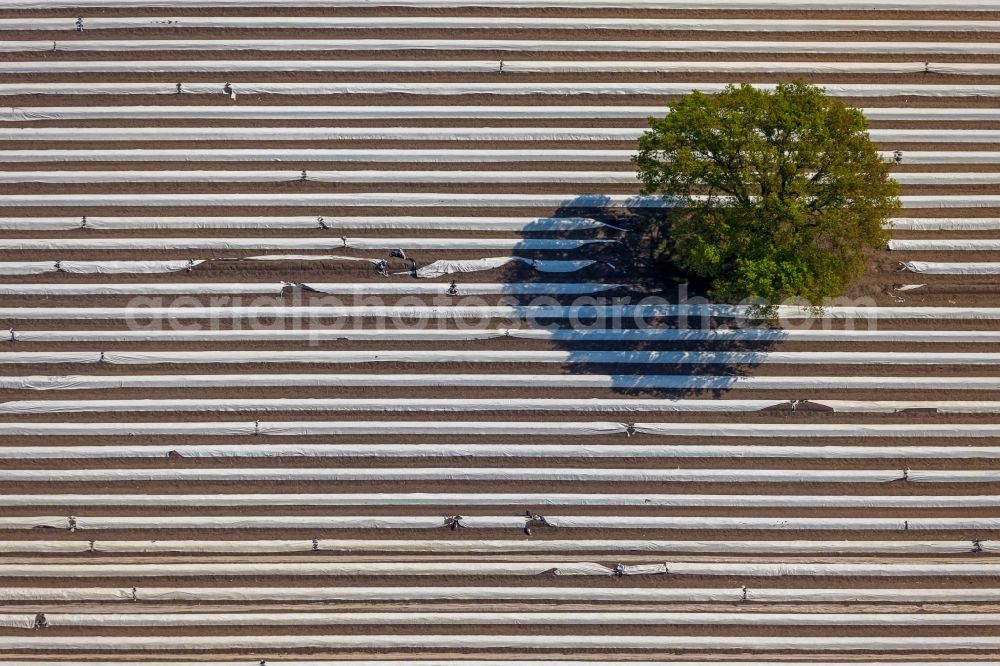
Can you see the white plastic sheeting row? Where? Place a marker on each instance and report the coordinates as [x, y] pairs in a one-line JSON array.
[[893, 406], [317, 133], [828, 569], [307, 243], [932, 223], [512, 312], [782, 430], [476, 662], [558, 567], [520, 593], [971, 47], [305, 155], [637, 23], [471, 662], [361, 176], [368, 522], [377, 199], [498, 88], [445, 222], [808, 547], [448, 266], [262, 405], [434, 269], [105, 289], [62, 134], [532, 618], [548, 641], [465, 289], [509, 66], [140, 266], [99, 267], [946, 245], [401, 155], [434, 156], [940, 178], [83, 523], [625, 381], [413, 199], [388, 112], [464, 500], [517, 177], [750, 334], [503, 451], [300, 257], [294, 428], [857, 5], [515, 312], [503, 428], [275, 288], [512, 474], [953, 267], [719, 523], [495, 356]]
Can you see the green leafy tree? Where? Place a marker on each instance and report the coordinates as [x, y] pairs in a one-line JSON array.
[[781, 194]]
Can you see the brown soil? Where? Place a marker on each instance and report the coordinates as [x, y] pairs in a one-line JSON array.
[[875, 285]]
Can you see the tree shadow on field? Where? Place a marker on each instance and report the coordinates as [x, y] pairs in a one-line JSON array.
[[629, 262]]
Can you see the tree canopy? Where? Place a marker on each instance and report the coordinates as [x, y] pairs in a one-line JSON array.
[[781, 193]]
